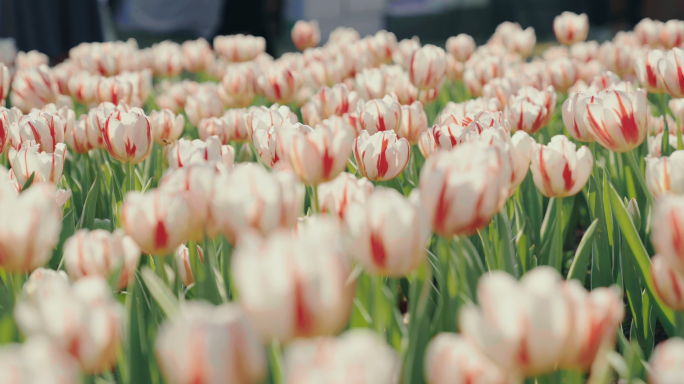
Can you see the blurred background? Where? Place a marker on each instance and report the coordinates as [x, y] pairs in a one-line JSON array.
[[55, 26]]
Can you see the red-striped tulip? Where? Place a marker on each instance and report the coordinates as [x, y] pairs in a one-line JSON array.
[[236, 125], [197, 55], [166, 126], [337, 123], [618, 57], [450, 136], [238, 85], [304, 281], [655, 144], [571, 28], [210, 345], [381, 46], [389, 233], [184, 264], [461, 47], [113, 90], [185, 152], [404, 51], [158, 221], [668, 281], [370, 83], [279, 83], [427, 144], [538, 321], [665, 174], [306, 34], [668, 227], [584, 52], [273, 145], [213, 126], [29, 160], [101, 253], [264, 117], [427, 67], [30, 59], [671, 70], [572, 116], [29, 228], [228, 156], [586, 72], [357, 355], [168, 59], [500, 88], [647, 31], [449, 359], [337, 100], [527, 114], [337, 195], [521, 155], [667, 362], [380, 115], [239, 48], [320, 155], [127, 136], [413, 122], [595, 316], [646, 68], [33, 88], [4, 83], [522, 42], [205, 103], [672, 34], [381, 157], [563, 73], [558, 169], [44, 128], [464, 188], [617, 120], [455, 69], [37, 276]]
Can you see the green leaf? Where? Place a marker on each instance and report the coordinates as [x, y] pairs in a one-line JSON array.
[[508, 258], [138, 352], [641, 258], [28, 182], [578, 269], [160, 292], [68, 229], [88, 215], [210, 283]]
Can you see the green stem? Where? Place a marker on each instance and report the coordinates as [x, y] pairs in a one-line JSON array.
[[131, 177], [276, 360], [380, 309], [640, 177], [160, 270], [558, 252], [314, 199]]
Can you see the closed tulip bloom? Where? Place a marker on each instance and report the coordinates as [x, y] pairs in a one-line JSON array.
[[337, 195], [101, 253], [572, 116], [127, 136], [185, 152], [455, 69], [184, 264], [617, 120], [670, 69], [464, 188], [647, 71], [527, 115], [44, 166], [461, 47], [380, 115], [196, 55], [358, 355], [158, 220], [274, 146], [413, 122], [668, 227], [279, 83], [29, 228], [337, 123], [213, 126], [4, 83], [571, 28], [303, 281], [501, 89], [668, 281], [563, 73], [238, 85], [306, 34], [166, 126], [528, 343], [389, 233], [404, 50], [672, 34], [664, 174], [141, 84], [381, 46], [37, 276], [370, 83], [236, 126], [203, 104], [320, 155], [522, 42], [427, 144], [266, 117], [33, 88], [667, 362], [451, 135], [558, 169], [427, 67], [45, 129], [596, 314], [521, 156], [584, 52], [113, 90], [31, 59], [381, 157], [338, 100], [451, 359], [647, 31], [38, 360], [168, 59], [239, 48]]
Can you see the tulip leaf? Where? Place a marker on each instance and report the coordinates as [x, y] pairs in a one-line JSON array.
[[160, 292], [578, 269], [641, 258], [88, 214], [28, 182], [68, 229], [210, 283], [135, 328], [508, 257]]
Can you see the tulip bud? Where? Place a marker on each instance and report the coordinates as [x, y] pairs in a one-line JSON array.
[[670, 68], [358, 354], [668, 227], [196, 55], [381, 157], [461, 47], [213, 126], [168, 59], [530, 110], [113, 90], [370, 83], [572, 116], [239, 48], [665, 174], [279, 84], [530, 343], [304, 267], [184, 264], [235, 124], [166, 126], [337, 195], [427, 67], [380, 115], [33, 88], [667, 362], [158, 221], [635, 215], [4, 83], [571, 28], [558, 169], [29, 160], [563, 74], [320, 155], [668, 281], [306, 34], [413, 122], [84, 136], [463, 207], [672, 34], [647, 71], [100, 253], [451, 359], [127, 136]]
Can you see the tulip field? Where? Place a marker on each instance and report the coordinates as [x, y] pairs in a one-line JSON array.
[[367, 211]]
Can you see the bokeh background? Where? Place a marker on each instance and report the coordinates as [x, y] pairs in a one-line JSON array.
[[55, 26]]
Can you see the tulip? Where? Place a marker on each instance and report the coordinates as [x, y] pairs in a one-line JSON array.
[[28, 160], [522, 42], [646, 68], [235, 124], [238, 85], [337, 195], [668, 281], [337, 123], [572, 116], [90, 329], [173, 98], [264, 117], [558, 169], [31, 59], [185, 152], [455, 69], [228, 156], [357, 355], [380, 115], [279, 83], [239, 48], [584, 52], [451, 359], [38, 360], [655, 144], [273, 145], [618, 57], [464, 188], [306, 34], [647, 31], [595, 315], [381, 46], [404, 50], [427, 67], [668, 227], [603, 81], [37, 276], [563, 74], [527, 114], [168, 59], [33, 88], [381, 157], [370, 83], [587, 71], [617, 120], [530, 343], [389, 233], [184, 264], [338, 100], [113, 90], [501, 89], [127, 136], [672, 34], [205, 103], [521, 155], [413, 122], [461, 47], [427, 144], [45, 129], [196, 55], [663, 174], [285, 277], [213, 126], [141, 84], [100, 253], [449, 136], [571, 28], [253, 198], [320, 155], [166, 126], [667, 362], [4, 83], [670, 69]]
